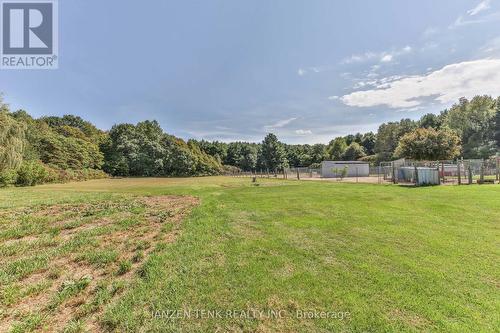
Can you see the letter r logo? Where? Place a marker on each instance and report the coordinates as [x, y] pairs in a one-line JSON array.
[[27, 27]]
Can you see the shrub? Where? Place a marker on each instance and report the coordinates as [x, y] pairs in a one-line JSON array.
[[229, 169], [340, 172], [31, 173], [7, 177]]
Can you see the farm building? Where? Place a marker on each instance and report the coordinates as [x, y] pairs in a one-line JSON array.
[[333, 169]]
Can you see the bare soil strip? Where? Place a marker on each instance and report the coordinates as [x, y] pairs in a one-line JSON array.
[[62, 264]]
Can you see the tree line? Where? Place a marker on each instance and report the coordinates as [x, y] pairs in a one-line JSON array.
[[58, 149], [61, 149], [468, 129]]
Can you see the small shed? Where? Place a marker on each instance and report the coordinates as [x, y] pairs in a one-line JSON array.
[[333, 169]]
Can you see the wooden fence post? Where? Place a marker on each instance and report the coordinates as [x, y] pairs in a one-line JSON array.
[[470, 175], [298, 175], [439, 178], [459, 173], [416, 176], [498, 169], [442, 171], [481, 173], [393, 173]]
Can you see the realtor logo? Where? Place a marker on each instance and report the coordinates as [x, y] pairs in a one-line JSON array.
[[29, 37]]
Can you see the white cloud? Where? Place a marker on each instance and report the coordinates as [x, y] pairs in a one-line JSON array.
[[483, 5], [314, 69], [303, 132], [360, 57], [445, 85], [430, 31], [492, 46], [332, 98], [385, 56], [378, 83], [461, 21], [281, 123], [413, 109]]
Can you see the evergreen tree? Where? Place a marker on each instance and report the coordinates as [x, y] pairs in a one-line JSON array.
[[273, 153]]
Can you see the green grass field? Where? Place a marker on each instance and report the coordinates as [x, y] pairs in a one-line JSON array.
[[122, 255]]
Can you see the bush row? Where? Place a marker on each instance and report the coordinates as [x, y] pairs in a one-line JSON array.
[[32, 173]]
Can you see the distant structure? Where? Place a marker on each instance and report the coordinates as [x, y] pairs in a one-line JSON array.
[[333, 169]]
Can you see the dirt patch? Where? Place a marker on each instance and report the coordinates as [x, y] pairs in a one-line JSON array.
[[17, 241], [89, 270], [69, 232], [408, 318]]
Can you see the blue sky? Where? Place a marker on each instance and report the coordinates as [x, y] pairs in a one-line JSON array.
[[235, 70]]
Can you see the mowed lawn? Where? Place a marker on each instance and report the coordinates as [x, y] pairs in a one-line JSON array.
[[243, 257]]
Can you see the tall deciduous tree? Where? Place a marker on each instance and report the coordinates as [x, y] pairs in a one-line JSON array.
[[354, 152], [388, 137], [474, 122], [216, 149], [336, 148], [318, 153], [144, 150], [429, 144], [430, 120], [368, 143], [248, 161], [12, 141]]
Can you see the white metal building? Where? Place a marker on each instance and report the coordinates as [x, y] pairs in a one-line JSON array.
[[333, 169]]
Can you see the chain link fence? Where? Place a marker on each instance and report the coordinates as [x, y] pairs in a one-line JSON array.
[[457, 172], [403, 171]]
